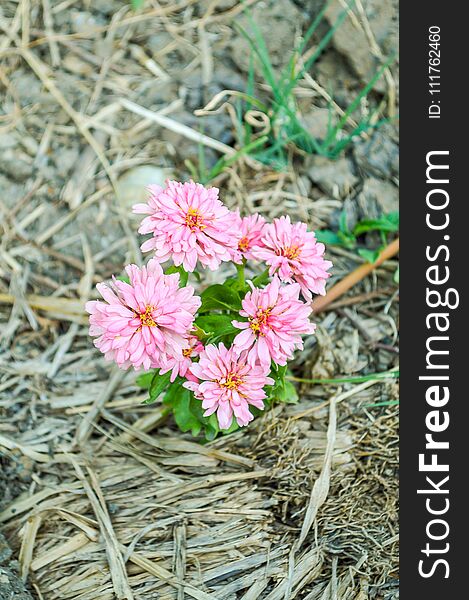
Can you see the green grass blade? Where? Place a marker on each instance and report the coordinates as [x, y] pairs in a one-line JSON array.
[[386, 403], [226, 162], [364, 92], [393, 374]]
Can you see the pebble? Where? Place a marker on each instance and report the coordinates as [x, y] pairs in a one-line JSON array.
[[131, 186], [334, 177], [379, 155]]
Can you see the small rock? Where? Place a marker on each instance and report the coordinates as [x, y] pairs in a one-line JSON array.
[[5, 550], [351, 210], [335, 177], [131, 186], [332, 66], [11, 586], [378, 196], [352, 42], [378, 155], [278, 23], [316, 122]]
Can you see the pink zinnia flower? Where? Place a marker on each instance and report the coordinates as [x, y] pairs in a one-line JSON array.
[[252, 230], [180, 365], [228, 384], [144, 322], [295, 255], [277, 319], [188, 223]]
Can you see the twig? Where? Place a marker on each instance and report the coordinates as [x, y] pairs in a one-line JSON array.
[[172, 125], [354, 277]]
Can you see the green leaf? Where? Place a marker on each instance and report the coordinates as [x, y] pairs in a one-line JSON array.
[[183, 410], [157, 386], [261, 279], [123, 278], [172, 391], [343, 226], [183, 275], [347, 240], [144, 380], [396, 276], [326, 236], [393, 217], [216, 327], [370, 256], [233, 427], [287, 393], [283, 390], [211, 427], [136, 4], [387, 223], [204, 336], [235, 284], [221, 297]]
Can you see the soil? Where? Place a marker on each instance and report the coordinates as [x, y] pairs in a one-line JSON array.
[[73, 159]]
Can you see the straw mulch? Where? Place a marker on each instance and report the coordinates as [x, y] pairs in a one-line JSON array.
[[284, 509], [100, 496]]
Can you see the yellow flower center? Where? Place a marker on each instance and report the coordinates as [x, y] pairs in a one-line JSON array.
[[260, 319], [243, 244], [187, 352], [146, 318], [291, 252], [232, 382], [194, 219]]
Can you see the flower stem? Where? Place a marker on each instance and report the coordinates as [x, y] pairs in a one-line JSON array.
[[241, 277]]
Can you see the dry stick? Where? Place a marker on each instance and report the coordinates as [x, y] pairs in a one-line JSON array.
[[172, 125], [337, 290]]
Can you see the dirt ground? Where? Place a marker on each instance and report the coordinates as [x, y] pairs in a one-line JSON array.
[[100, 495]]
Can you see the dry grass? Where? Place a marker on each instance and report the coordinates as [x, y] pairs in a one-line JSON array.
[[103, 498], [265, 513]]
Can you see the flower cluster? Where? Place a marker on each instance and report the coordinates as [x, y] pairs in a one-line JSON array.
[[154, 320]]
